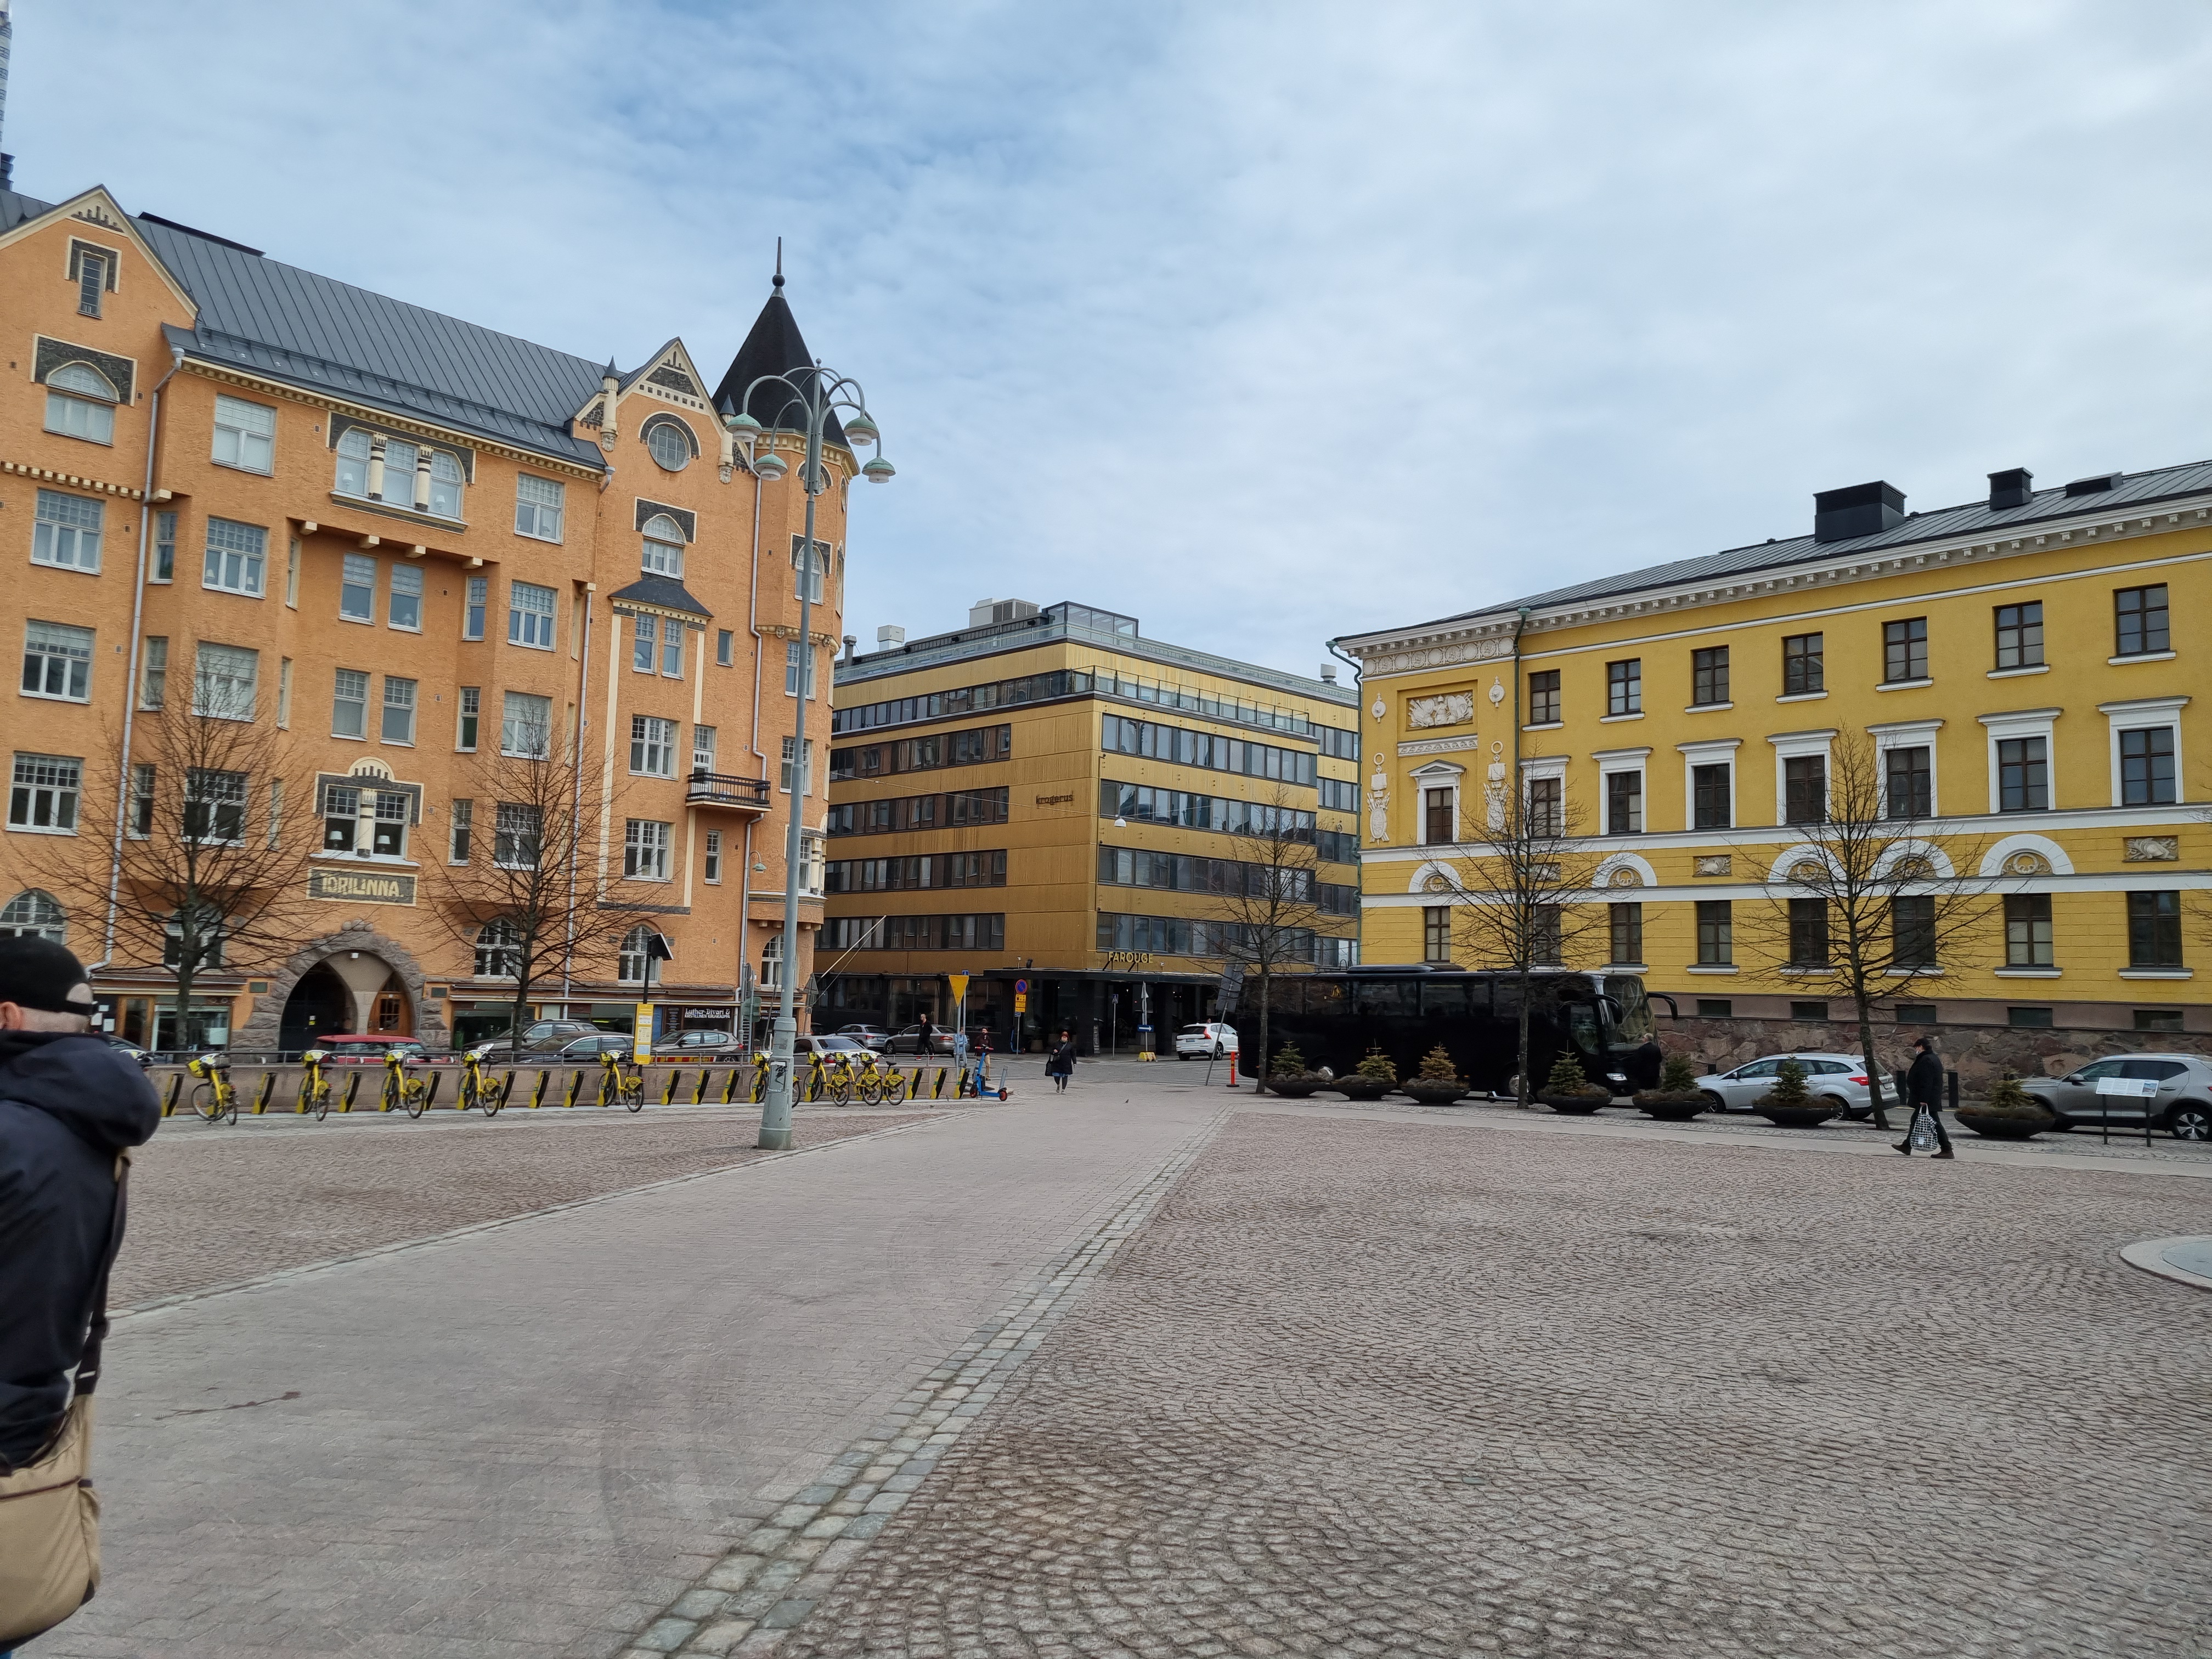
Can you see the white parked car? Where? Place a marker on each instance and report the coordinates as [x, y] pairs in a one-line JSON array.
[[1840, 1079], [1212, 1041]]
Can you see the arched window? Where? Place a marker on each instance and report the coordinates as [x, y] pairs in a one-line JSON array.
[[771, 964], [499, 950], [353, 445], [81, 403], [446, 478], [34, 914], [629, 969], [664, 546], [669, 442]]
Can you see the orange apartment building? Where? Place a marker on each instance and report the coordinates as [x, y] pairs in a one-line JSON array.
[[404, 542]]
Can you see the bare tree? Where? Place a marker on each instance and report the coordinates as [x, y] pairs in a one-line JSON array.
[[1523, 893], [211, 874], [519, 888], [1265, 911], [1866, 904]]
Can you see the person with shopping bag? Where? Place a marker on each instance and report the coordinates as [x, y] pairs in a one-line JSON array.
[[71, 1106], [1061, 1065], [1924, 1094]]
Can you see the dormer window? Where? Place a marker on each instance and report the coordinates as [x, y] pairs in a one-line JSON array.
[[669, 442], [394, 471], [81, 403], [93, 269], [664, 546]]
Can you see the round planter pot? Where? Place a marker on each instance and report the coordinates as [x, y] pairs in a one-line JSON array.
[[1362, 1088], [1671, 1107], [1811, 1116], [1295, 1088], [1576, 1105], [2005, 1126], [1432, 1091]]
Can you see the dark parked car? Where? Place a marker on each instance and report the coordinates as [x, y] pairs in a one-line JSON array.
[[580, 1051], [704, 1044], [369, 1049], [538, 1036]]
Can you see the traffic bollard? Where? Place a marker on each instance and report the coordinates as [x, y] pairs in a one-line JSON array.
[[169, 1100], [353, 1088], [268, 1088]]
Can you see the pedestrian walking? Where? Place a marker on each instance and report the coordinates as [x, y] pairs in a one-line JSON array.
[[71, 1106], [1061, 1065], [925, 1042], [1923, 1090], [1643, 1065]]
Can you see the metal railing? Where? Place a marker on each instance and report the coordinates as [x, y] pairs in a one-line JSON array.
[[704, 788]]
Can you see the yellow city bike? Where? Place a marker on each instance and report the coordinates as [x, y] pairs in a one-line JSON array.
[[410, 1094], [881, 1082], [620, 1080], [477, 1090], [314, 1087], [213, 1097]]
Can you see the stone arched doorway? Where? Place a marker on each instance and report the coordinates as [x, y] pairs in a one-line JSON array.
[[371, 978], [319, 1004]]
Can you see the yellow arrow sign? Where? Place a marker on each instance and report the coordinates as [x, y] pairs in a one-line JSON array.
[[959, 982]]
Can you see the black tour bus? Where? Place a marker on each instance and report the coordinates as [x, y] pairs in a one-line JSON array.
[[1334, 1019]]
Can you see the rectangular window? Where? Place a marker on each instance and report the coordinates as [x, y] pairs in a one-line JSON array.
[[1905, 650], [244, 435], [2038, 1018], [390, 824], [517, 832], [2158, 1020], [1805, 789], [2147, 767], [349, 704], [651, 746], [725, 648], [1709, 790], [225, 678], [43, 795], [1912, 932], [672, 648], [472, 613], [399, 710], [90, 418], [1709, 676], [153, 674], [292, 572], [1909, 783], [1436, 934], [215, 805], [791, 669], [1544, 697], [1716, 1008], [2027, 930], [1624, 803], [2020, 636], [711, 871], [1916, 1013], [2023, 774], [142, 801], [398, 473], [703, 748], [530, 616], [471, 712], [58, 662], [525, 726], [1808, 1010], [1627, 933], [1546, 934], [806, 768], [1624, 687], [341, 817], [2153, 929], [644, 644], [1547, 806], [538, 503], [1716, 933], [91, 277], [357, 589], [65, 532], [2139, 620], [1808, 932], [235, 554], [463, 821], [645, 850], [165, 547], [1437, 827], [406, 606], [1802, 670], [283, 693]]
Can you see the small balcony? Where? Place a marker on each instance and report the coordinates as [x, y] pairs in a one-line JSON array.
[[720, 789]]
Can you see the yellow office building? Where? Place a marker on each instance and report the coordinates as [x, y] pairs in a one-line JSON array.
[[1047, 797], [2018, 671]]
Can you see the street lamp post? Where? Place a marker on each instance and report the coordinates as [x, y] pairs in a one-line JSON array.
[[813, 394]]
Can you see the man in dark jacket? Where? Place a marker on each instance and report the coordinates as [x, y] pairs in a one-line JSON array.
[[68, 1103], [1923, 1092], [1061, 1065], [1643, 1066]]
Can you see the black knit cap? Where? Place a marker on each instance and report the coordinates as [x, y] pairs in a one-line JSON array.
[[37, 973]]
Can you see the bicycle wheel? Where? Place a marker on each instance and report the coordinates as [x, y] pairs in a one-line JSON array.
[[491, 1097], [840, 1088], [895, 1086], [319, 1101], [413, 1096], [204, 1104], [633, 1091]]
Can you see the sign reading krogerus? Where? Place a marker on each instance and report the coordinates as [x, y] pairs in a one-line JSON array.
[[361, 887]]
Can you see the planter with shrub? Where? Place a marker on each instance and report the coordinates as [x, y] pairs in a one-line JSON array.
[[1289, 1077], [1567, 1090], [2007, 1112], [1375, 1079], [1791, 1104], [1439, 1083], [1677, 1098]]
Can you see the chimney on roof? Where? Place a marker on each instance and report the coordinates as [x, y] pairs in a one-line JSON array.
[[2011, 488], [2095, 485], [1864, 509]]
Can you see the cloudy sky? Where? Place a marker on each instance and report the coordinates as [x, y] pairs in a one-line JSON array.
[[1262, 322]]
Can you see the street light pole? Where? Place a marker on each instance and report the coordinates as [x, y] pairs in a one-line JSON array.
[[816, 393]]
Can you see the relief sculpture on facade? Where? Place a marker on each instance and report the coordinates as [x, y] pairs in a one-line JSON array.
[[1445, 708]]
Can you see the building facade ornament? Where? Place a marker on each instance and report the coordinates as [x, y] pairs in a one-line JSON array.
[[2153, 849], [1445, 708], [1440, 745]]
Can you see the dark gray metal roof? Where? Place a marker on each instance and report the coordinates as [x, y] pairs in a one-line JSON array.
[[664, 592], [1974, 518]]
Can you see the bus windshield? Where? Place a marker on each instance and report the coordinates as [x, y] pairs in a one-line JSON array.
[[1633, 1023]]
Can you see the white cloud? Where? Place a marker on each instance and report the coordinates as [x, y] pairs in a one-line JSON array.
[[1262, 322]]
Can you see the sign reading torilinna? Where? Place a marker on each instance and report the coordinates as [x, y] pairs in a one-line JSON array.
[[361, 887]]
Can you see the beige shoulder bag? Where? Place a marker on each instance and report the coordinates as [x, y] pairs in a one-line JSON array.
[[49, 1515]]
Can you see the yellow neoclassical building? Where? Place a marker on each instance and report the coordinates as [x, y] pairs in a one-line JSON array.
[[2020, 669]]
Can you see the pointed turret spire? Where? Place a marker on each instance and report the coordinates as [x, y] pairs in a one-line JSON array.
[[773, 347]]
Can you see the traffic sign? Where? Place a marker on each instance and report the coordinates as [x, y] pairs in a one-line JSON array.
[[1021, 1003], [959, 982], [1021, 987]]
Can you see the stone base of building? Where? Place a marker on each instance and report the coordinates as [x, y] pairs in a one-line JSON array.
[[1980, 1053]]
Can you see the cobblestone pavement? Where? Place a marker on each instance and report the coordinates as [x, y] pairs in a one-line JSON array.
[[209, 1207], [1428, 1388], [523, 1442]]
